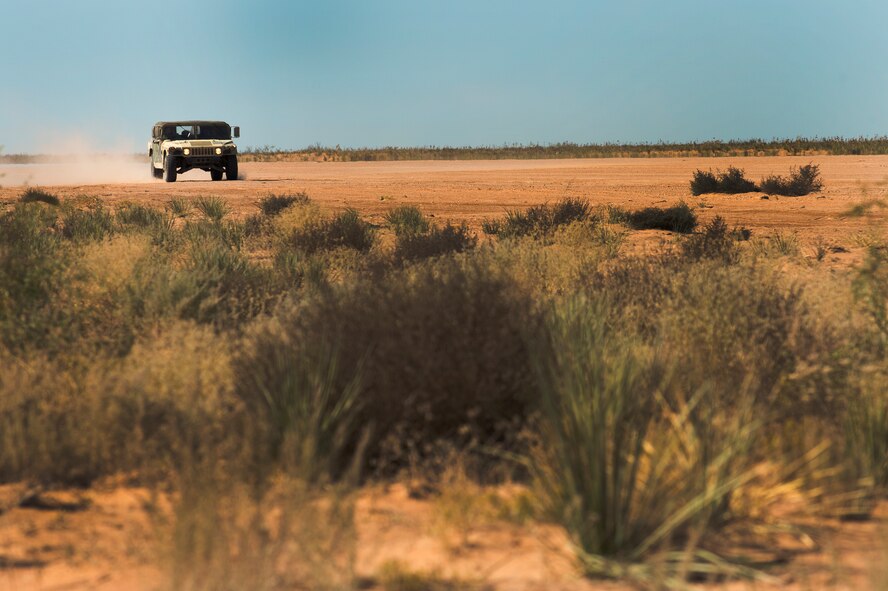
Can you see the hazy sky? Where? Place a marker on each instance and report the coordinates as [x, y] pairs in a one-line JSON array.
[[413, 72]]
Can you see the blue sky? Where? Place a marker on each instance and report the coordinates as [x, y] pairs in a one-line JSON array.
[[481, 72]]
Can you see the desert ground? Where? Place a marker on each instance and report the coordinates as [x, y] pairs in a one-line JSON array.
[[106, 537], [474, 190]]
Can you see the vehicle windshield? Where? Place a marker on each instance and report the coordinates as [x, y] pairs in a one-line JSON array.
[[195, 132]]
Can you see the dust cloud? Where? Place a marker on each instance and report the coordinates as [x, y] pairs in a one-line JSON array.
[[78, 161]]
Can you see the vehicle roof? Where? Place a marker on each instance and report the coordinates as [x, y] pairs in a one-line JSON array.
[[190, 123]]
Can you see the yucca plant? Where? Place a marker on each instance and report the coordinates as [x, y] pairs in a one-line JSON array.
[[635, 472]]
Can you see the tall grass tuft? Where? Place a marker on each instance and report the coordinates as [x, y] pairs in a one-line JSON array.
[[179, 208], [212, 208]]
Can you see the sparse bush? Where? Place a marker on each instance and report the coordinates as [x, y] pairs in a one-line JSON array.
[[731, 182], [678, 218], [345, 230], [179, 208], [32, 266], [434, 242], [213, 208], [801, 181], [454, 368], [407, 220], [715, 242], [273, 205], [34, 194]]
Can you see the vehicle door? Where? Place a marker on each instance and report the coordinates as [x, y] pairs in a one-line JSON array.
[[156, 139]]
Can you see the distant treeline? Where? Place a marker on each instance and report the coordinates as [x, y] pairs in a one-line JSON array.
[[714, 148]]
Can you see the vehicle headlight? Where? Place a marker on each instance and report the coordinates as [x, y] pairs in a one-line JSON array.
[[218, 151], [186, 151]]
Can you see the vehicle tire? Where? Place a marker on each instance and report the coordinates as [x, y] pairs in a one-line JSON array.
[[215, 174], [169, 169], [231, 168], [156, 172]]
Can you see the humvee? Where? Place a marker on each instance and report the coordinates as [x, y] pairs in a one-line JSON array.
[[179, 146]]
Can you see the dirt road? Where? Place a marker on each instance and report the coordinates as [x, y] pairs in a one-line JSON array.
[[474, 190]]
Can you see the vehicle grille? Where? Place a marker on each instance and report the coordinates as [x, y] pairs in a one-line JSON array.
[[210, 151]]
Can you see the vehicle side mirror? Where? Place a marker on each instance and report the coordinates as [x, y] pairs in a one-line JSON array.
[[236, 131]]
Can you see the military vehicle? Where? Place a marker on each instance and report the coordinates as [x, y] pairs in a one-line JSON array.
[[179, 146]]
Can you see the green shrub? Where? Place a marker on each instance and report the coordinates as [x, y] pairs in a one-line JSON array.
[[434, 242], [731, 181], [345, 230], [704, 181], [273, 205], [678, 218], [407, 220], [801, 181], [33, 194]]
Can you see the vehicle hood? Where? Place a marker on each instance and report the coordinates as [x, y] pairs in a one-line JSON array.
[[197, 143]]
